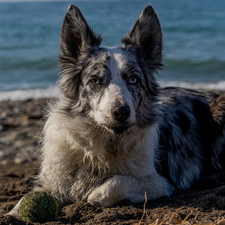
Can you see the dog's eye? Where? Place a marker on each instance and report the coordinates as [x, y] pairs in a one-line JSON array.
[[133, 80], [95, 81]]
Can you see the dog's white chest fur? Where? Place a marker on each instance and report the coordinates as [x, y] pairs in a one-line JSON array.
[[81, 163]]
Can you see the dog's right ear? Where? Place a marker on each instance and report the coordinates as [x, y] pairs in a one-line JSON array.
[[76, 35]]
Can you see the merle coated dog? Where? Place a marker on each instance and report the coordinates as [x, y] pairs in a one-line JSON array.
[[113, 133]]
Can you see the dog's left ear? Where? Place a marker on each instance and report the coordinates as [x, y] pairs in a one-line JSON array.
[[146, 35]]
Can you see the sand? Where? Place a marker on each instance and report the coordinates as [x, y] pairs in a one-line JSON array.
[[20, 127]]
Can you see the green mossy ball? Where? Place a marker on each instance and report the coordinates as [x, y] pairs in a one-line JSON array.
[[38, 207]]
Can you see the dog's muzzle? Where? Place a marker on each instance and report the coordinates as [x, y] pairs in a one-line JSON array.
[[120, 114]]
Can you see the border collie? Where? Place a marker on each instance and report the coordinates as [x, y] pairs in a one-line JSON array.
[[114, 134]]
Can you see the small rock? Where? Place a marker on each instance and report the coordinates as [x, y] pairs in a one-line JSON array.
[[25, 119], [2, 127], [3, 114], [4, 162], [20, 160], [5, 141], [18, 143], [2, 154]]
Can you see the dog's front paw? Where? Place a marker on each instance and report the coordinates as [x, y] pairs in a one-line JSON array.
[[107, 194], [97, 197]]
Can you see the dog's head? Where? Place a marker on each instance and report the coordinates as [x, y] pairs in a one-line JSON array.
[[115, 87]]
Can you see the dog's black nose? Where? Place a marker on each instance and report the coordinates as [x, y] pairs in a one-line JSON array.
[[121, 113]]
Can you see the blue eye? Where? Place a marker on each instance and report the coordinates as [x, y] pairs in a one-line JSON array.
[[95, 81], [133, 80]]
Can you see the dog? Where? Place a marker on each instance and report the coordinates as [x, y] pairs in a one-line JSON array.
[[114, 134]]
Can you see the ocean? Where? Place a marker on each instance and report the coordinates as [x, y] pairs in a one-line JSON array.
[[194, 41]]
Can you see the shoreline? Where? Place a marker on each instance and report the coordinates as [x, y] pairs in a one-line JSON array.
[[52, 91]]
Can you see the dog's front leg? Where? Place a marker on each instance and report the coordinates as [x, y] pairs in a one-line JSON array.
[[15, 211], [130, 188]]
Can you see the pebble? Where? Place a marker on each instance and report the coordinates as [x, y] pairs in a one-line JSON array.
[[3, 114], [18, 144], [5, 140], [20, 160], [1, 127], [4, 162], [2, 154]]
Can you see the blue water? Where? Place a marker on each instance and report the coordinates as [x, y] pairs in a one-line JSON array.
[[194, 40]]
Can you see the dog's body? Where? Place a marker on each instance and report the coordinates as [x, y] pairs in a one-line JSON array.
[[114, 134]]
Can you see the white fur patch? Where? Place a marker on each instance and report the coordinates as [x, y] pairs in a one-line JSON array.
[[116, 91]]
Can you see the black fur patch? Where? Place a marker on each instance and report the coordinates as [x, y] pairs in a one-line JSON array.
[[186, 135], [182, 120]]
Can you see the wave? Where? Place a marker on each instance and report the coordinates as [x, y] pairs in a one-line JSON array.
[[53, 91], [15, 95], [218, 86]]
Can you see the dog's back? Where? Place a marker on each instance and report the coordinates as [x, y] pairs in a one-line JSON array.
[[192, 130]]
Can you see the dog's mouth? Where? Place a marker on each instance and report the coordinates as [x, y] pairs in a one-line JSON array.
[[119, 128]]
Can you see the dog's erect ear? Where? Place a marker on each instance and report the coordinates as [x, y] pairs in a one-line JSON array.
[[146, 34], [76, 34]]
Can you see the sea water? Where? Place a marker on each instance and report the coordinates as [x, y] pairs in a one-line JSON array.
[[193, 34]]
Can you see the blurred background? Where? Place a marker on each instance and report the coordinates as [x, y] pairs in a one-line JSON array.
[[194, 41]]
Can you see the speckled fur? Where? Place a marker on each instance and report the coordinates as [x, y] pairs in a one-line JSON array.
[[170, 138]]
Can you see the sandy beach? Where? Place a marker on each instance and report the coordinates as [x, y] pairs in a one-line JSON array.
[[20, 128]]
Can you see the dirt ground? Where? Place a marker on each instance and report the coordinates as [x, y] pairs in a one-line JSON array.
[[20, 126]]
